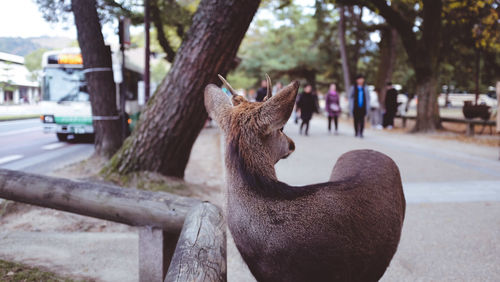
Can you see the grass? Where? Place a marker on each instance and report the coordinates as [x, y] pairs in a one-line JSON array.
[[16, 117], [10, 271]]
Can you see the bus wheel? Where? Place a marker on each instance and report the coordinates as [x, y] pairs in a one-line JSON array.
[[62, 137]]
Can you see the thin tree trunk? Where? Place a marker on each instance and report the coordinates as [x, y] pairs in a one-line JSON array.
[[176, 114], [343, 50], [358, 37], [97, 61], [388, 48]]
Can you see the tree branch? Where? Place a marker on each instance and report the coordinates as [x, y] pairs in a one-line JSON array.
[[395, 19], [160, 34], [432, 26]]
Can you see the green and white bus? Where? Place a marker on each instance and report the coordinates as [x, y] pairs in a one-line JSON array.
[[65, 102]]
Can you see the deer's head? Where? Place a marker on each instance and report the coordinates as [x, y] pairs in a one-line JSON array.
[[254, 130]]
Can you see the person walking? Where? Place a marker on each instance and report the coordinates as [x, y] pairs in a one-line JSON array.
[[262, 91], [332, 106], [307, 106], [359, 104], [375, 109], [391, 106]]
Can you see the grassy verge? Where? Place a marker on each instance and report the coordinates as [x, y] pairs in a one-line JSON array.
[[10, 271], [16, 117]]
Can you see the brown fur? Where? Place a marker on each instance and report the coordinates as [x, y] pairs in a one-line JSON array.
[[347, 229]]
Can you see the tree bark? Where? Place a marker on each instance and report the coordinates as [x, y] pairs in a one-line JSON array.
[[358, 40], [343, 50], [426, 65], [174, 117], [387, 46], [97, 56], [427, 105]]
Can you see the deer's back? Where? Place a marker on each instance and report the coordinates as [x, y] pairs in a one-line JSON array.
[[348, 230]]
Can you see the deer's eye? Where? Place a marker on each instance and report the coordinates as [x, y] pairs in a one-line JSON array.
[[281, 129]]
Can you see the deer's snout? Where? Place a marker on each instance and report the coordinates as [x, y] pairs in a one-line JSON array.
[[291, 145]]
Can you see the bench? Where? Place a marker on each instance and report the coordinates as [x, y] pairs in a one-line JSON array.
[[470, 123]]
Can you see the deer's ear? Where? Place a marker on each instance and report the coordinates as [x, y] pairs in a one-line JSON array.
[[217, 104], [276, 111]]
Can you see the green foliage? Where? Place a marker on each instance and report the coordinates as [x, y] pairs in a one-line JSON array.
[[33, 61], [241, 80], [159, 70], [285, 47], [471, 26], [302, 43]]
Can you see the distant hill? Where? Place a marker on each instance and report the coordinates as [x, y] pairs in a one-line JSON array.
[[23, 46]]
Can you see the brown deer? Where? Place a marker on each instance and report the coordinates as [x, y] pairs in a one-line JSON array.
[[347, 229]]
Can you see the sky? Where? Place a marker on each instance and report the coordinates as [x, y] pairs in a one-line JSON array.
[[21, 18]]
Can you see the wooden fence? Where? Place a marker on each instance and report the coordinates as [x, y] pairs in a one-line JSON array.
[[185, 231]]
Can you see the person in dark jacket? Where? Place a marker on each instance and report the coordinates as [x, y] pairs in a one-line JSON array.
[[332, 106], [262, 92], [391, 106], [359, 104], [307, 106]]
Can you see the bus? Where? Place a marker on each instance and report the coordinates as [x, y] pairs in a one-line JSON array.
[[65, 102]]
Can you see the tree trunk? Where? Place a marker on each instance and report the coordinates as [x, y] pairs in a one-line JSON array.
[[358, 40], [343, 50], [387, 46], [426, 63], [427, 107], [97, 61], [174, 117]]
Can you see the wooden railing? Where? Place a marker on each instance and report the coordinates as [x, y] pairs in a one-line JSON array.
[[161, 218], [470, 123]]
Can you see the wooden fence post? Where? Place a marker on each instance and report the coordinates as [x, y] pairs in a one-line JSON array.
[[200, 254], [156, 248]]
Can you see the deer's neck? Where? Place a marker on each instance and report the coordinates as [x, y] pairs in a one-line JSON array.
[[251, 173]]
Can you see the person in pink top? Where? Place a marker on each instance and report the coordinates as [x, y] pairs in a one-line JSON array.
[[333, 107]]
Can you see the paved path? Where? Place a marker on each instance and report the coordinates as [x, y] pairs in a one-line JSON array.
[[452, 225]]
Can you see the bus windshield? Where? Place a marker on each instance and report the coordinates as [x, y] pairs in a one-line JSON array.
[[64, 84]]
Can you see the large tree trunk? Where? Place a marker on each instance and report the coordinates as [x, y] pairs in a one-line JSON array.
[[426, 61], [97, 61], [343, 50], [387, 46], [427, 107], [174, 117]]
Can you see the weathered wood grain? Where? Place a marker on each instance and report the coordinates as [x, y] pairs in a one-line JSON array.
[[130, 206], [200, 254]]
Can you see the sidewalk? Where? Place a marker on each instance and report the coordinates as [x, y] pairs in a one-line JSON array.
[[452, 225]]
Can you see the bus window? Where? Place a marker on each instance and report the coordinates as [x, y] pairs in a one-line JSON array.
[[64, 84]]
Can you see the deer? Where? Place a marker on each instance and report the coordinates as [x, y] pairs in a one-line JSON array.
[[346, 229]]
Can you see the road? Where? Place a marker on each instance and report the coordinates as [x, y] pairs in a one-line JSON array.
[[24, 146]]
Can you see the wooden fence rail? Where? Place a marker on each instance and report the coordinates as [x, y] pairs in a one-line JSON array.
[[200, 254], [159, 215]]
